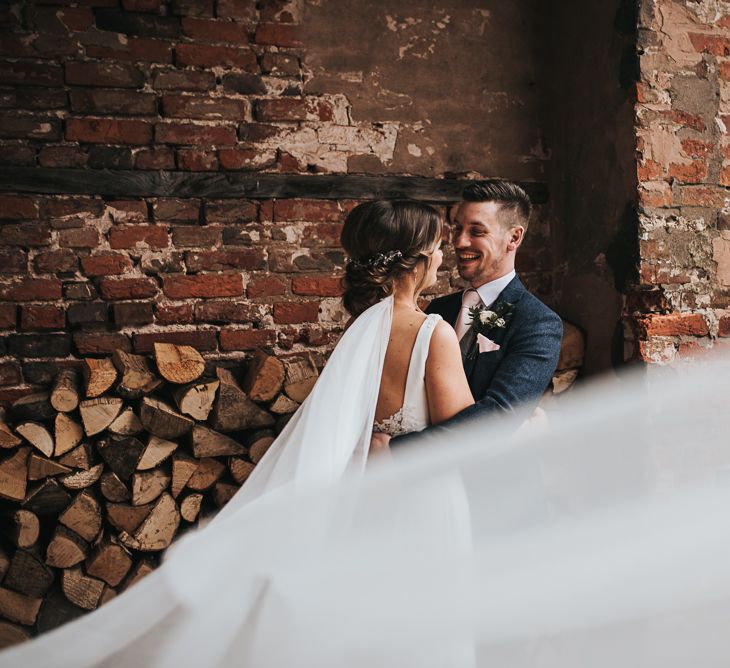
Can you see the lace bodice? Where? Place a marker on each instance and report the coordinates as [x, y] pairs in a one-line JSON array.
[[413, 414]]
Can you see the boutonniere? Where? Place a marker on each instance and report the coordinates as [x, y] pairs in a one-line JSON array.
[[484, 321]]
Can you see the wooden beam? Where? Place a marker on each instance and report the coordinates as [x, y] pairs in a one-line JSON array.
[[229, 185]]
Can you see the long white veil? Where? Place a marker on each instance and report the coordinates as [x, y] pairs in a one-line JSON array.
[[601, 541]]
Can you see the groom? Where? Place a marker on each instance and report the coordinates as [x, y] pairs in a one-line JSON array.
[[510, 359]]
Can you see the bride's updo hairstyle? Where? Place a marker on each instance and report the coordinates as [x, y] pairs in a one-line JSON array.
[[385, 240]]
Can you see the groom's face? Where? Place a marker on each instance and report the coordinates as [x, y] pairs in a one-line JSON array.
[[484, 246]]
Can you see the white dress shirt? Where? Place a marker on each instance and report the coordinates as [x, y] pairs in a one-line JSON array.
[[490, 291]]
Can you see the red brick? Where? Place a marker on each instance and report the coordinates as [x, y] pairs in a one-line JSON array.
[[201, 340], [58, 207], [152, 6], [10, 374], [127, 288], [126, 211], [104, 73], [8, 316], [278, 34], [703, 196], [247, 258], [292, 109], [289, 313], [693, 172], [17, 155], [230, 211], [649, 170], [203, 285], [227, 312], [183, 80], [725, 176], [134, 49], [25, 234], [30, 127], [32, 289], [18, 207], [174, 209], [245, 159], [195, 236], [310, 210], [132, 236], [30, 74], [685, 119], [155, 158], [55, 262], [193, 106], [322, 234], [195, 160], [656, 198], [280, 64], [246, 339], [317, 286], [724, 326], [106, 264], [13, 262], [174, 314], [268, 286], [40, 98], [108, 131], [133, 313], [673, 324], [215, 31], [62, 156], [79, 237], [694, 148], [723, 70], [76, 19], [194, 134], [116, 102], [238, 10], [87, 313], [716, 45], [42, 316], [205, 55], [101, 343]]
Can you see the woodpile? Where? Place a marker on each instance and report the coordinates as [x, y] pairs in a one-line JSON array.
[[100, 474]]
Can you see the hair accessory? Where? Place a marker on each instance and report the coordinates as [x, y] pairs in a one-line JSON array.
[[379, 260]]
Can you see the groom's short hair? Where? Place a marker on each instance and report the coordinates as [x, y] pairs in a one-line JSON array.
[[515, 203]]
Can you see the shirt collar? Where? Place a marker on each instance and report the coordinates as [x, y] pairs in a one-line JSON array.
[[490, 291]]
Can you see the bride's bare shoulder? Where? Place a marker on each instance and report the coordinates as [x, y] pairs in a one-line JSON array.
[[444, 346]]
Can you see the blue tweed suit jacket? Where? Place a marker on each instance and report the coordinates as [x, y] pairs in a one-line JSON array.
[[519, 372]]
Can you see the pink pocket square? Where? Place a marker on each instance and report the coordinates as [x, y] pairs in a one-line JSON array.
[[486, 345]]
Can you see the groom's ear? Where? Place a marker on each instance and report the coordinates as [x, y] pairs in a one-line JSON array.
[[516, 235]]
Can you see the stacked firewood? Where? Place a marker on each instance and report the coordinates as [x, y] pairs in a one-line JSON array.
[[95, 485]]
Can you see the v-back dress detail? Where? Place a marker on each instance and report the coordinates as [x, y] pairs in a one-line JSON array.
[[413, 415]]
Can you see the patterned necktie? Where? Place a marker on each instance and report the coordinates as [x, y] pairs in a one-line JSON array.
[[469, 299]]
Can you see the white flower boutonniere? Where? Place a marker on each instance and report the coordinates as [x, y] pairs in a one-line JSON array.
[[484, 321]]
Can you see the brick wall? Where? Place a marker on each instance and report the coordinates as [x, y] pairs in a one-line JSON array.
[[681, 304]]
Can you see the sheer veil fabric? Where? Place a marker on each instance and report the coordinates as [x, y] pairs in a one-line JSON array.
[[601, 541]]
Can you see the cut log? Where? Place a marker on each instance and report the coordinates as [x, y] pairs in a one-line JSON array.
[[572, 347], [113, 489], [209, 443], [196, 400], [83, 516], [25, 528], [99, 376], [125, 517], [107, 595], [4, 563], [7, 438], [137, 378], [82, 479], [259, 444], [81, 589], [142, 569], [223, 492], [162, 420], [240, 469], [33, 407], [206, 475], [78, 458], [283, 405], [65, 393], [66, 549], [40, 468], [10, 635], [127, 424], [233, 410], [178, 364], [190, 507], [19, 607], [110, 562], [48, 498], [183, 468], [13, 475], [157, 451], [121, 454], [68, 434], [563, 380], [301, 375], [37, 435], [265, 377], [28, 575], [157, 530], [56, 610], [98, 414], [148, 485]]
